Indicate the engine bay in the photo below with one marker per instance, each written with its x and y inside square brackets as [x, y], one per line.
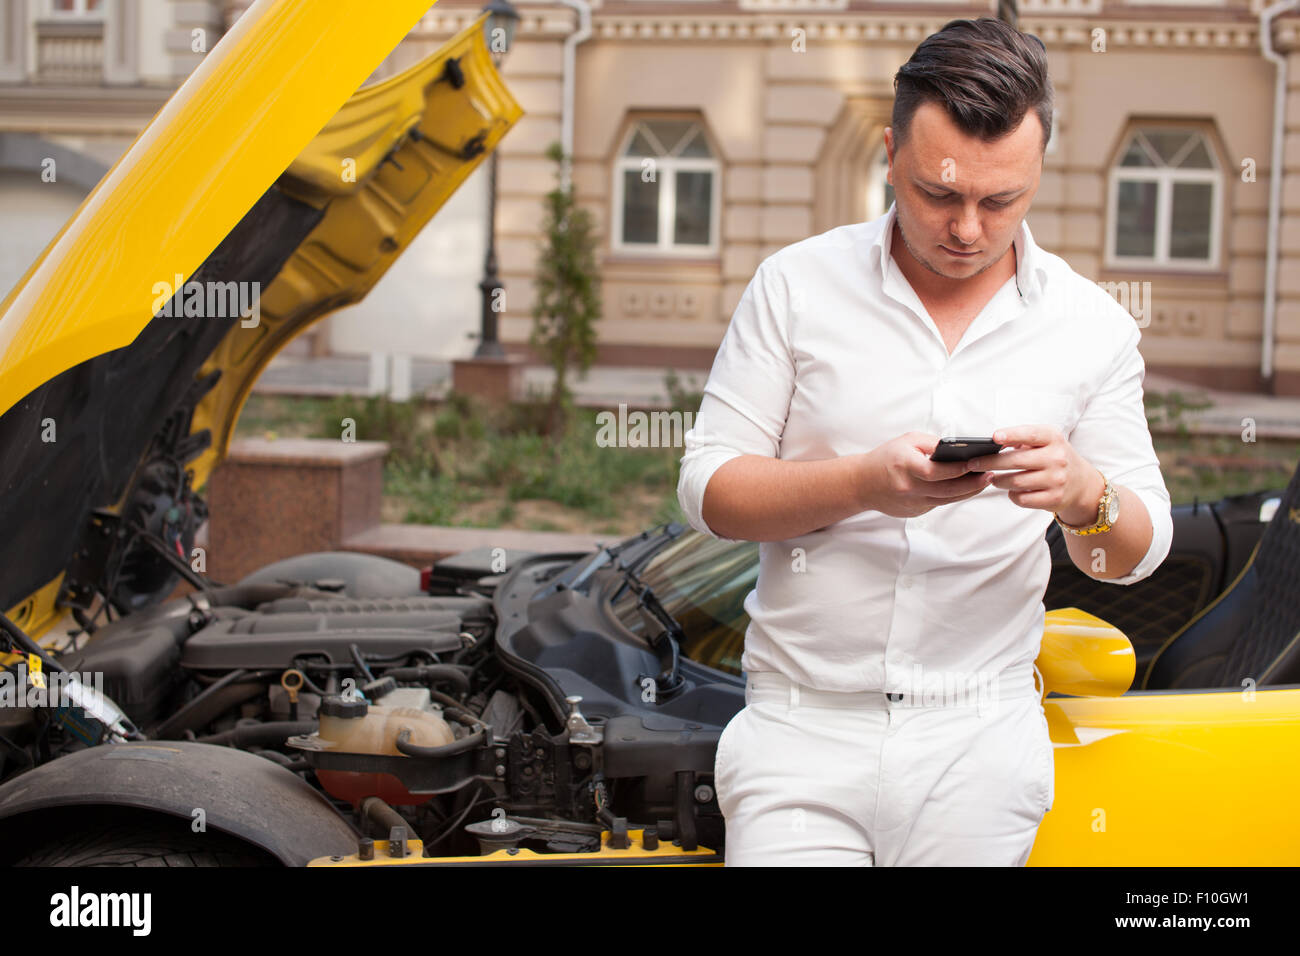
[471, 708]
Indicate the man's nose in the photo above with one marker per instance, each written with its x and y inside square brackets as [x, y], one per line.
[966, 228]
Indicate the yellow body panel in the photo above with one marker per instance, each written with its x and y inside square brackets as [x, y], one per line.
[666, 854]
[258, 98]
[1082, 655]
[400, 182]
[381, 167]
[36, 615]
[1174, 779]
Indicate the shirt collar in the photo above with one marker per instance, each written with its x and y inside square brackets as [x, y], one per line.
[1031, 275]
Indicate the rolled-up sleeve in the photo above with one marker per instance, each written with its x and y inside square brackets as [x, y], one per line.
[747, 395]
[1113, 435]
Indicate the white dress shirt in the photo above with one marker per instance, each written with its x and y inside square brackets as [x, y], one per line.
[829, 353]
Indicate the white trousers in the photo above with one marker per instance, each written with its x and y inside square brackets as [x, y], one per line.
[820, 778]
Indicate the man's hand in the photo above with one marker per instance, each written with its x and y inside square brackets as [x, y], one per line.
[1055, 477]
[1049, 474]
[899, 479]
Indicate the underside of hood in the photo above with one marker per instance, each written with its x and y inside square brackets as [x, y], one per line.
[115, 412]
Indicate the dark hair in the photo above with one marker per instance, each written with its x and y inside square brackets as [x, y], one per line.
[985, 73]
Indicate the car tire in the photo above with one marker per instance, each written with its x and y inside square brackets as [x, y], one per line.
[145, 844]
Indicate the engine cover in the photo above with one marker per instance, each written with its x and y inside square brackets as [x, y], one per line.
[273, 640]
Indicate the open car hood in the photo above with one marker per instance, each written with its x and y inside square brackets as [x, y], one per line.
[266, 193]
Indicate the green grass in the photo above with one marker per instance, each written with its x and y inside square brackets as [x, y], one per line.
[289, 416]
[1209, 467]
[1166, 408]
[460, 462]
[1255, 466]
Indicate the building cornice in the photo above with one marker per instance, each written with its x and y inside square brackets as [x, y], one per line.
[75, 109]
[1070, 30]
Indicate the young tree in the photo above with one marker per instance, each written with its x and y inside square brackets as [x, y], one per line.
[567, 304]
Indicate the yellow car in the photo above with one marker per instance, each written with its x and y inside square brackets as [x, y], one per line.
[343, 710]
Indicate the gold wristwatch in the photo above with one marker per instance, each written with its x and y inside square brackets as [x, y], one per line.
[1107, 512]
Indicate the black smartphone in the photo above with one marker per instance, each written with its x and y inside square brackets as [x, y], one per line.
[964, 449]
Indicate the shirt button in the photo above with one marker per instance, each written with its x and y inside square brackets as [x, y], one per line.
[905, 581]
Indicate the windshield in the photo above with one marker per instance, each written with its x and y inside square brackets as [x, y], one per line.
[702, 582]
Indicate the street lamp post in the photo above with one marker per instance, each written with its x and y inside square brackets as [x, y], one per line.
[500, 29]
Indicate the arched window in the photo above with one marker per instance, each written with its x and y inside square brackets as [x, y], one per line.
[880, 195]
[1166, 190]
[666, 189]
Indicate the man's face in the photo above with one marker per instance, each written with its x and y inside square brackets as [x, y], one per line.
[956, 193]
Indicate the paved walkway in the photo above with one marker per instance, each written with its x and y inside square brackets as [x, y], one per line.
[1274, 416]
[603, 386]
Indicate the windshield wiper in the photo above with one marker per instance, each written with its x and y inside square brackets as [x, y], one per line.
[575, 577]
[669, 532]
[666, 643]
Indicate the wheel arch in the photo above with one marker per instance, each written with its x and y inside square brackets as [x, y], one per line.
[242, 795]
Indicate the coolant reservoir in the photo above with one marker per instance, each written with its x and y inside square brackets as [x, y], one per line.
[355, 727]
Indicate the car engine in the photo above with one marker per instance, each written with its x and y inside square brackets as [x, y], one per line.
[468, 708]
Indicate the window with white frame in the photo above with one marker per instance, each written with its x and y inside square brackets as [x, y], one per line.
[666, 189]
[76, 8]
[1166, 190]
[880, 195]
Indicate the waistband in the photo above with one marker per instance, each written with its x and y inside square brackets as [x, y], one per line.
[972, 691]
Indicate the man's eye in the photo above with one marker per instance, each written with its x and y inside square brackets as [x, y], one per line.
[944, 197]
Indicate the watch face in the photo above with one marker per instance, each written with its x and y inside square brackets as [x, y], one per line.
[1112, 509]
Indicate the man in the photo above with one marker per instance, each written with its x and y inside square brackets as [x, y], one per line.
[892, 714]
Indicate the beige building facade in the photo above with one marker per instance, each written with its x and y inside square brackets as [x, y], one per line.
[1157, 177]
[706, 135]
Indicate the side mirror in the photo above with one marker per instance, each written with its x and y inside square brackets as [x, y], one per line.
[1083, 656]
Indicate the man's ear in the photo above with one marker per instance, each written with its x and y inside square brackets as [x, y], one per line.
[889, 151]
